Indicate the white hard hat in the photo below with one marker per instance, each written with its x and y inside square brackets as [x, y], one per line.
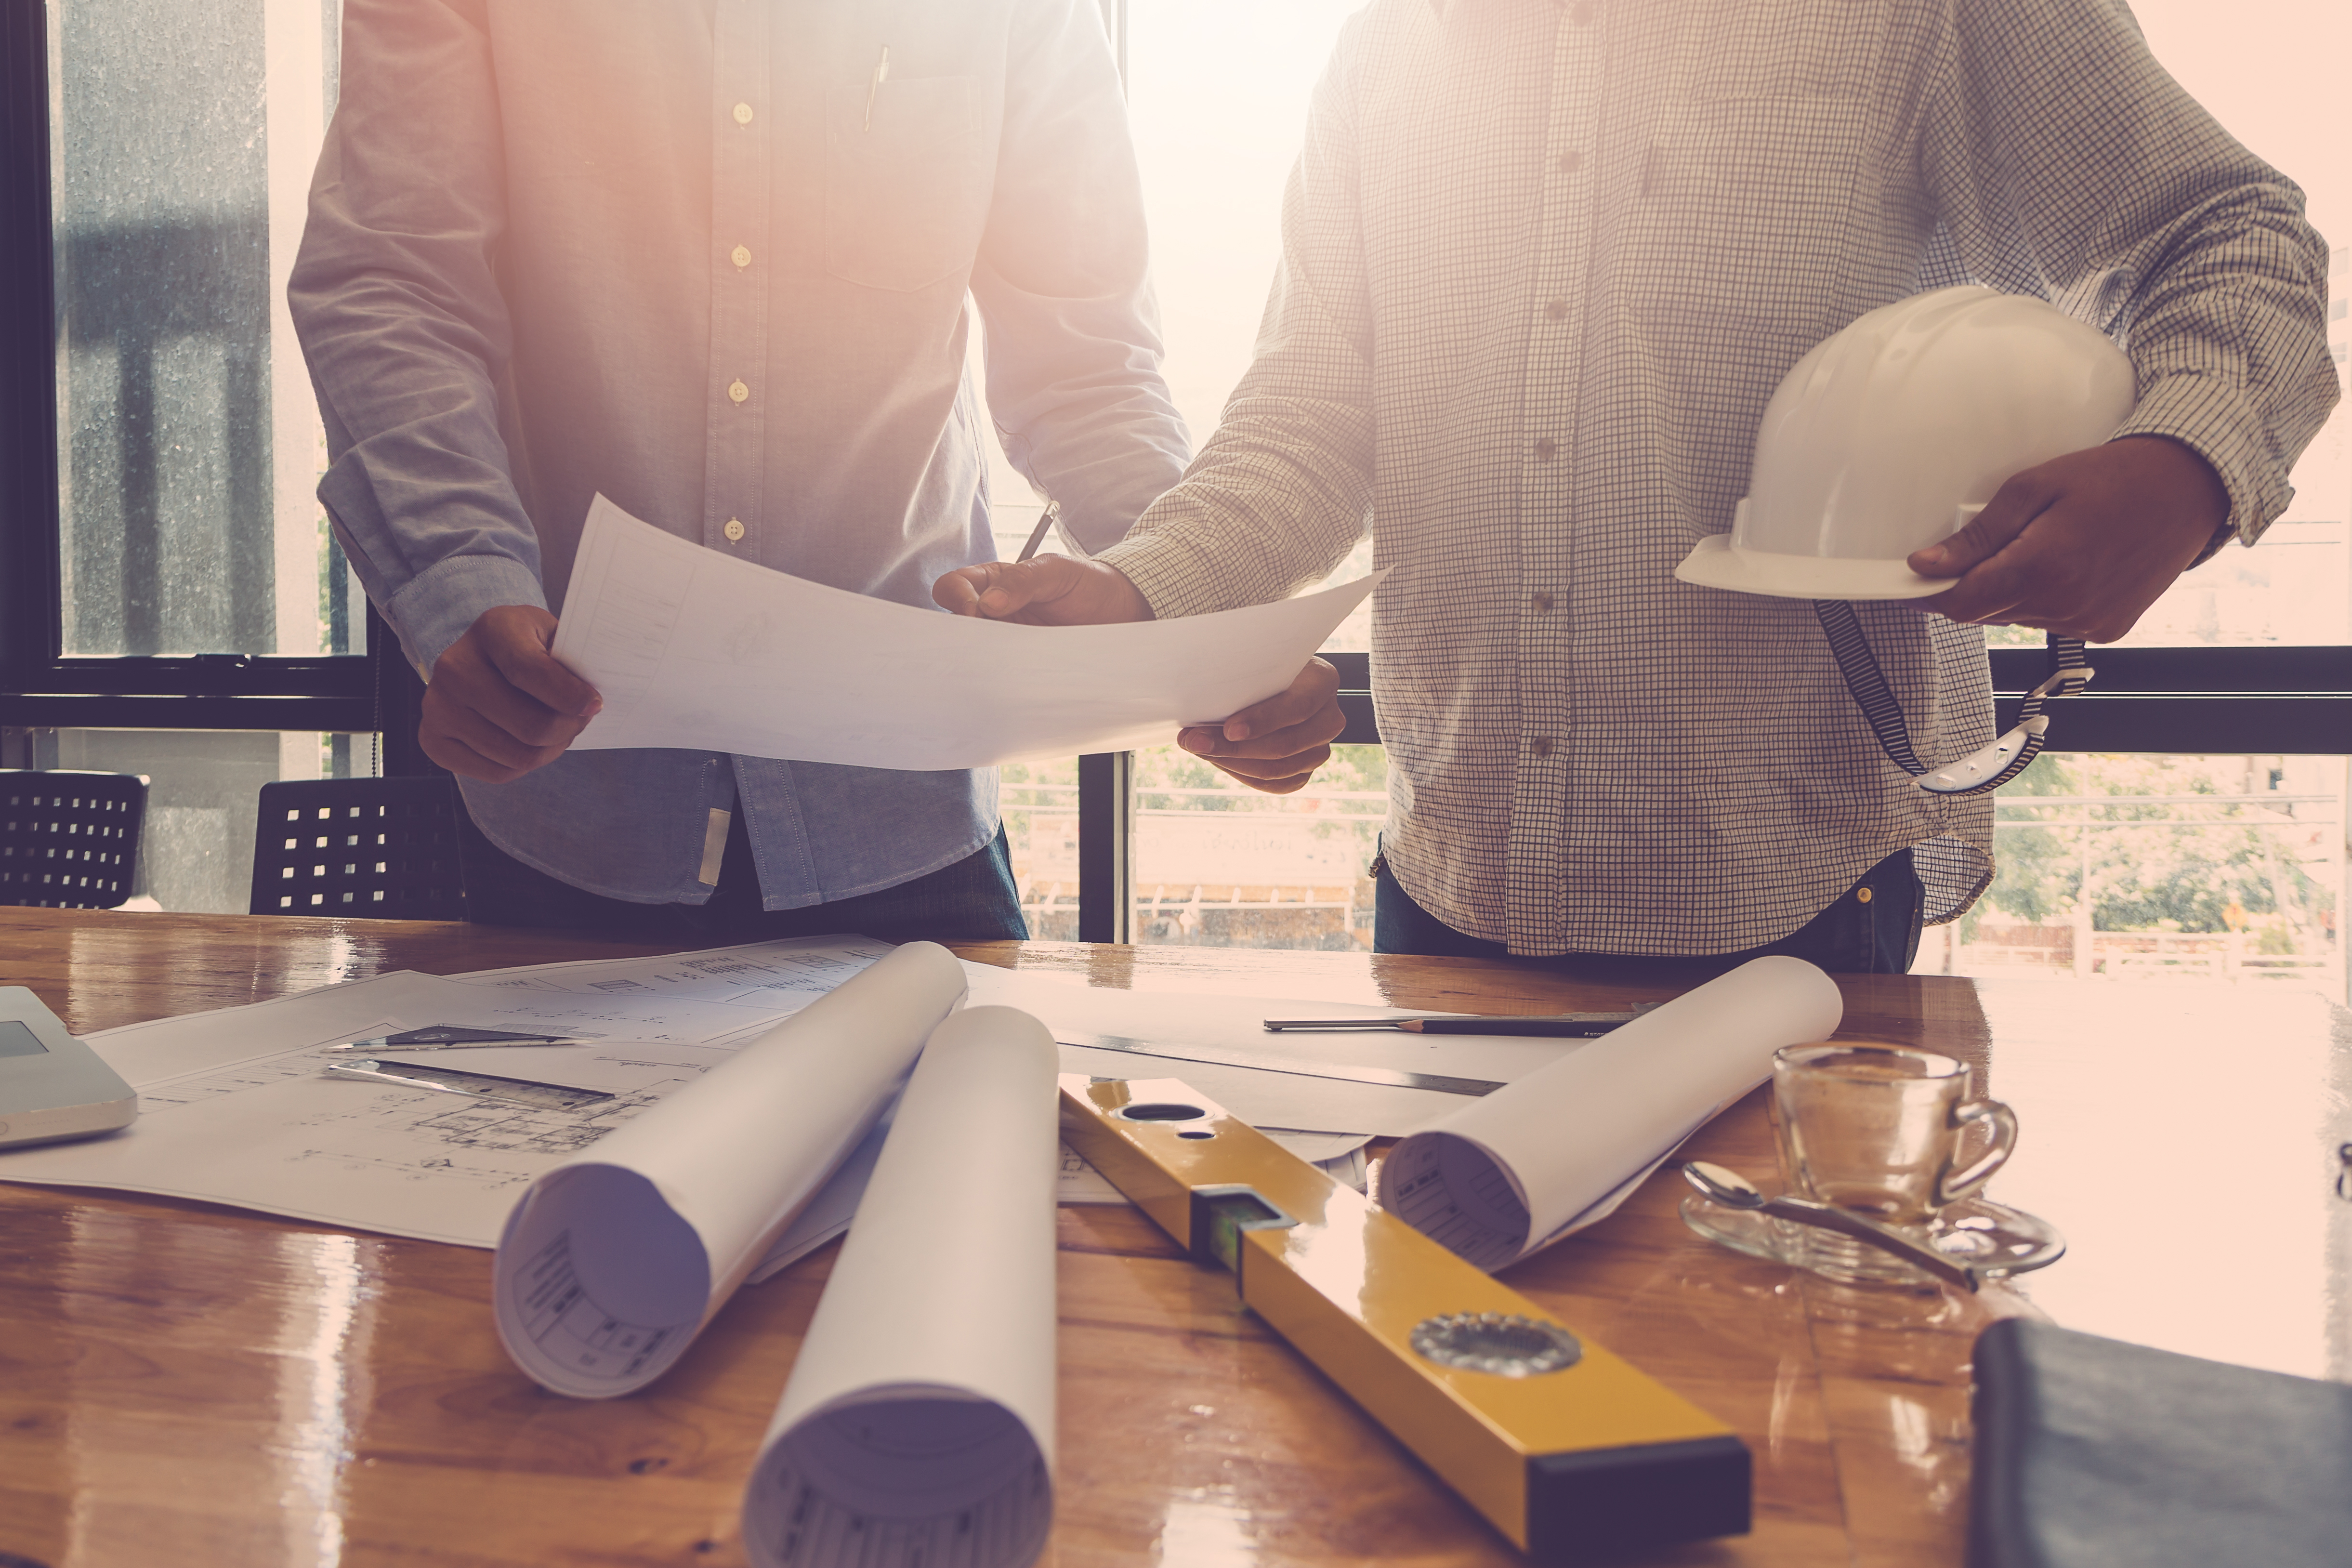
[1890, 434]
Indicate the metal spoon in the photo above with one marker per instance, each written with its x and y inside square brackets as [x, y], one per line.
[1735, 1191]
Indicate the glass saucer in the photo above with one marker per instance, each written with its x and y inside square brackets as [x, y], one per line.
[1998, 1241]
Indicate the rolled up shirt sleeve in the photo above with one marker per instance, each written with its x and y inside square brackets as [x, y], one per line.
[2052, 133]
[395, 298]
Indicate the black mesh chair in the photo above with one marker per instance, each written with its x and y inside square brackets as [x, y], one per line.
[377, 849]
[69, 840]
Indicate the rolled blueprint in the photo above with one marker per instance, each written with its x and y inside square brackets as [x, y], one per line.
[1562, 1147]
[917, 1430]
[611, 1262]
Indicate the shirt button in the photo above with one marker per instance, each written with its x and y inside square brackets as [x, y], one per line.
[742, 114]
[1540, 745]
[734, 528]
[1556, 310]
[741, 255]
[1569, 163]
[738, 391]
[1546, 449]
[1542, 602]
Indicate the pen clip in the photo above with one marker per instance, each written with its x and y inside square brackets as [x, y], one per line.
[881, 75]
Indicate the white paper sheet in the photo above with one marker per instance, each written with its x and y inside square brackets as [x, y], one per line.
[234, 1108]
[692, 649]
[1181, 1021]
[1559, 1150]
[613, 1262]
[917, 1426]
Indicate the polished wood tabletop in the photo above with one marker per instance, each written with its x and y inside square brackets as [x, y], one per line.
[195, 1385]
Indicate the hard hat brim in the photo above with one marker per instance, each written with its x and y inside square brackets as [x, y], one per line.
[1716, 562]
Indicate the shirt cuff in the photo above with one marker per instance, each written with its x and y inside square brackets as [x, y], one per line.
[438, 606]
[1176, 577]
[2216, 422]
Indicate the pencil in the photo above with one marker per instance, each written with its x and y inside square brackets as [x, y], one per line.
[1563, 1028]
[1565, 1025]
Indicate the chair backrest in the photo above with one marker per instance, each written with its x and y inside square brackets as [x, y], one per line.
[374, 848]
[69, 840]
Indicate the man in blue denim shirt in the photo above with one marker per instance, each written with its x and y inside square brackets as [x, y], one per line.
[714, 262]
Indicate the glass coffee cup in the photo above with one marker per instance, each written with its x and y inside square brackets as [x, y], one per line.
[1878, 1129]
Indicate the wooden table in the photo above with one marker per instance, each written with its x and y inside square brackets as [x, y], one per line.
[192, 1385]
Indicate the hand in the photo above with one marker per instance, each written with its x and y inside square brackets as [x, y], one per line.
[1276, 745]
[498, 705]
[1050, 591]
[2082, 544]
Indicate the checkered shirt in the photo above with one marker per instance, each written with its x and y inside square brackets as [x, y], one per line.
[1544, 265]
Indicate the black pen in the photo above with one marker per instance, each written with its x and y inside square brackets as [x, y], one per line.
[1558, 1025]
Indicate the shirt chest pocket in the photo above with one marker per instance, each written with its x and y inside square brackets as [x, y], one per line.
[1746, 206]
[907, 187]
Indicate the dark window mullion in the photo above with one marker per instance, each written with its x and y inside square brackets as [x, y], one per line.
[30, 614]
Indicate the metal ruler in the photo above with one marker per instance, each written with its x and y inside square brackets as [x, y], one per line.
[472, 1085]
[1386, 1078]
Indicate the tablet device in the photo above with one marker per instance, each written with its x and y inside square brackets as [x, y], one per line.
[53, 1087]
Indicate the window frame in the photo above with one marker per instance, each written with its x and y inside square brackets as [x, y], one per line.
[40, 687]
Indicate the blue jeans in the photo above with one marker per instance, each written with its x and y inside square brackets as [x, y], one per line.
[975, 899]
[1872, 928]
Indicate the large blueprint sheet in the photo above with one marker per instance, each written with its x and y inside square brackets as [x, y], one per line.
[694, 650]
[234, 1106]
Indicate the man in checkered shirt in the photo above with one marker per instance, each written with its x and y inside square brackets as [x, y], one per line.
[1543, 265]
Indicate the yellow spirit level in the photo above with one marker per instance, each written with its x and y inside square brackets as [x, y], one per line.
[1566, 1449]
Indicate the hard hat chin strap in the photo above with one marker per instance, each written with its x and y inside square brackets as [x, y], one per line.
[1980, 770]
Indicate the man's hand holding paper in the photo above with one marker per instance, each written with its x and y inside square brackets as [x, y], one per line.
[1275, 746]
[499, 704]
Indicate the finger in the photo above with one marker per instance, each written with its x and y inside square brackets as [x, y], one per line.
[521, 655]
[1014, 585]
[1993, 556]
[528, 723]
[1315, 687]
[1318, 729]
[463, 760]
[959, 591]
[1002, 590]
[456, 753]
[1278, 774]
[495, 738]
[2012, 507]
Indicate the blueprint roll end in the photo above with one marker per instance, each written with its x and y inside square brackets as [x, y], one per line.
[1602, 1505]
[931, 1475]
[1460, 1196]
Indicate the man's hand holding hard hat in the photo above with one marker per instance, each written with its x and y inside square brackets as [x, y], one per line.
[1965, 433]
[2082, 544]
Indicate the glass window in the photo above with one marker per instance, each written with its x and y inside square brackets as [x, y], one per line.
[182, 134]
[1217, 92]
[2208, 869]
[1219, 865]
[1041, 829]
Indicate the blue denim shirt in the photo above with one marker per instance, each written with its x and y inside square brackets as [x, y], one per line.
[709, 259]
